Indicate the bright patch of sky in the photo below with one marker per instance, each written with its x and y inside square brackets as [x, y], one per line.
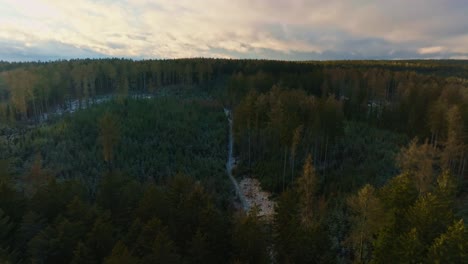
[271, 29]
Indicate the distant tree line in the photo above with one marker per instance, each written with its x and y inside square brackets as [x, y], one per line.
[366, 160]
[29, 89]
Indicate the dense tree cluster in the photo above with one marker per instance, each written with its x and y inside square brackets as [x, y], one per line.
[138, 181]
[350, 128]
[398, 221]
[146, 138]
[276, 128]
[127, 222]
[135, 180]
[296, 116]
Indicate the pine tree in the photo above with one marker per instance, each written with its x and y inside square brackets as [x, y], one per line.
[307, 186]
[83, 255]
[108, 136]
[6, 229]
[40, 248]
[431, 216]
[121, 255]
[37, 176]
[101, 238]
[31, 224]
[250, 240]
[411, 248]
[153, 204]
[144, 240]
[453, 157]
[451, 246]
[5, 173]
[199, 251]
[367, 214]
[437, 121]
[5, 257]
[418, 161]
[295, 142]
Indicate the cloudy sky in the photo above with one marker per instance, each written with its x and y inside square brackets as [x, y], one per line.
[273, 29]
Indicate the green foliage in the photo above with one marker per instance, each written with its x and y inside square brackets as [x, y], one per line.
[120, 255]
[102, 236]
[91, 212]
[52, 199]
[450, 247]
[297, 241]
[400, 223]
[12, 202]
[364, 154]
[366, 219]
[280, 125]
[307, 190]
[199, 249]
[119, 194]
[31, 224]
[82, 254]
[157, 139]
[136, 180]
[6, 228]
[108, 135]
[250, 239]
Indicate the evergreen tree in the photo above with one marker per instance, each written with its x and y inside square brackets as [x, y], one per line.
[82, 254]
[250, 240]
[366, 219]
[450, 247]
[6, 231]
[307, 186]
[199, 249]
[108, 136]
[31, 224]
[419, 162]
[101, 238]
[453, 157]
[120, 255]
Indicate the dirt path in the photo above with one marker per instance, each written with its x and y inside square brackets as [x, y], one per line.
[249, 190]
[230, 164]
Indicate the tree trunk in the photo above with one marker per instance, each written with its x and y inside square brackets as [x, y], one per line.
[463, 167]
[326, 149]
[34, 109]
[460, 166]
[360, 248]
[250, 156]
[292, 166]
[284, 166]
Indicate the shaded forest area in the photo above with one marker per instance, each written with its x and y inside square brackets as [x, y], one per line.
[366, 161]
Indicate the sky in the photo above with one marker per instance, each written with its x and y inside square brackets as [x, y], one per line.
[32, 30]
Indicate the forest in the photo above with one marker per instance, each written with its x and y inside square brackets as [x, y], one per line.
[123, 161]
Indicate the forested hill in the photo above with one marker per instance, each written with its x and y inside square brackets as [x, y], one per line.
[29, 89]
[366, 161]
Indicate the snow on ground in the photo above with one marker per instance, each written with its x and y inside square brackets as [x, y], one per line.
[72, 106]
[255, 196]
[248, 191]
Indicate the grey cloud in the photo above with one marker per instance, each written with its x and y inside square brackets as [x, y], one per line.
[276, 29]
[114, 45]
[43, 51]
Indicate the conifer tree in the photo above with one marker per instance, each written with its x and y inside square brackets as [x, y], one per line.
[307, 186]
[366, 218]
[108, 136]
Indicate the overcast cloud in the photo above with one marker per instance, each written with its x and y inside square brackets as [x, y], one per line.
[273, 29]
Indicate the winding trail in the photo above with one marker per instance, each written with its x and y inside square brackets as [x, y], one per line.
[251, 184]
[72, 106]
[230, 163]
